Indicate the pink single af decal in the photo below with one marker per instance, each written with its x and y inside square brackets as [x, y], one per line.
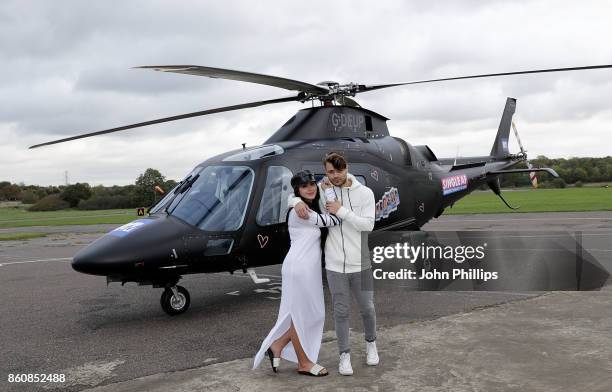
[454, 184]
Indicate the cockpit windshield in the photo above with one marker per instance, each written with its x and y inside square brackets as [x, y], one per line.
[216, 200]
[173, 194]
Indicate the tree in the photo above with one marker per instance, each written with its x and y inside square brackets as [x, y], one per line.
[10, 192]
[558, 183]
[72, 194]
[28, 197]
[144, 192]
[579, 174]
[50, 203]
[169, 185]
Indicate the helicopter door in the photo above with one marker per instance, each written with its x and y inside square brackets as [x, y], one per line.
[428, 196]
[272, 237]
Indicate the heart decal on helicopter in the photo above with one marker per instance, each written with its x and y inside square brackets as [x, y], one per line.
[263, 240]
[374, 174]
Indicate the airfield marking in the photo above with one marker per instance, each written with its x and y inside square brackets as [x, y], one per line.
[271, 291]
[63, 259]
[275, 289]
[270, 276]
[246, 276]
[562, 235]
[517, 293]
[463, 220]
[548, 249]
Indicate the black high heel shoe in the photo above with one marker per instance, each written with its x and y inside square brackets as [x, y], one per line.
[274, 361]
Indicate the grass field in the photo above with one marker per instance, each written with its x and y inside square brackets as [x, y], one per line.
[20, 236]
[536, 200]
[20, 217]
[530, 200]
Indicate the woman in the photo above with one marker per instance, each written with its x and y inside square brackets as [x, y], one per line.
[297, 334]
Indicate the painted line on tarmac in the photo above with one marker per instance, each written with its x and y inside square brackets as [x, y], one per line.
[547, 249]
[9, 257]
[62, 259]
[560, 235]
[544, 219]
[239, 275]
[271, 276]
[517, 293]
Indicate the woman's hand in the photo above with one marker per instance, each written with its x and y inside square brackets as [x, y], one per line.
[325, 183]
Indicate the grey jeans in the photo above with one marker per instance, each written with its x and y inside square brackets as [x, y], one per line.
[362, 287]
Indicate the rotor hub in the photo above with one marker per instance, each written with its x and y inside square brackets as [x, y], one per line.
[336, 91]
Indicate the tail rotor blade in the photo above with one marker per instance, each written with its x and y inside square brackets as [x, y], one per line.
[533, 177]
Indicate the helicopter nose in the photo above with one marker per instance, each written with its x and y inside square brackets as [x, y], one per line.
[132, 248]
[98, 260]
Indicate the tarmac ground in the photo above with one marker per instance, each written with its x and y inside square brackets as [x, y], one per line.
[559, 341]
[55, 320]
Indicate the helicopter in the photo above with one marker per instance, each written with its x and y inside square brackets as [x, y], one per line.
[229, 212]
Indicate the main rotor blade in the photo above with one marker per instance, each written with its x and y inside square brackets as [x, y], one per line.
[173, 118]
[242, 76]
[380, 86]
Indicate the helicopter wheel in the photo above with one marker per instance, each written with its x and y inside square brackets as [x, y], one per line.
[175, 300]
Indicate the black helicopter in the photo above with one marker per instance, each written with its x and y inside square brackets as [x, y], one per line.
[229, 213]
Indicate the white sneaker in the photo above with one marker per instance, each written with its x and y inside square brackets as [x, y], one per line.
[345, 367]
[371, 354]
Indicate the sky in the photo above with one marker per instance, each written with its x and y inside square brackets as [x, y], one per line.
[67, 68]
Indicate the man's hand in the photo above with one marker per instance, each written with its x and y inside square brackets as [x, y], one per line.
[333, 206]
[301, 209]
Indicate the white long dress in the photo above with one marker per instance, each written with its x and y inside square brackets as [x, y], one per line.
[302, 288]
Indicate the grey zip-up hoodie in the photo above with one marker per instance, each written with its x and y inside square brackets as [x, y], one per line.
[343, 244]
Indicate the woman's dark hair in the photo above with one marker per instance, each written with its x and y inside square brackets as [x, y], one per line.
[298, 180]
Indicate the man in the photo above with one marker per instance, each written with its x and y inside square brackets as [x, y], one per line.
[355, 205]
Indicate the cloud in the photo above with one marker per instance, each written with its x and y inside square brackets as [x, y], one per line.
[66, 70]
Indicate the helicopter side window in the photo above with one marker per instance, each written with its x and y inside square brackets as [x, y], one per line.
[273, 206]
[217, 200]
[361, 179]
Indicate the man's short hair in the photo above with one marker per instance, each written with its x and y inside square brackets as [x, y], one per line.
[336, 159]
